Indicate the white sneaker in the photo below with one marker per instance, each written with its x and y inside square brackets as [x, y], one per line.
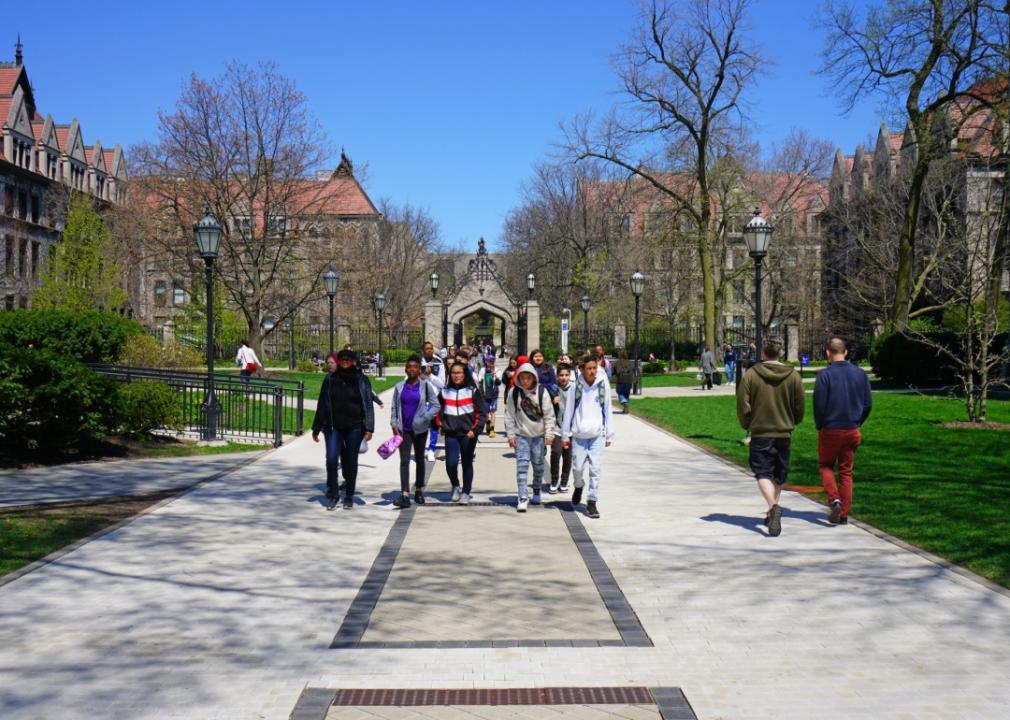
[536, 498]
[521, 505]
[464, 499]
[455, 494]
[430, 456]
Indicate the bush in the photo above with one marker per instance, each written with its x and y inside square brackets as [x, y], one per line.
[145, 351]
[82, 336]
[396, 356]
[654, 368]
[146, 405]
[899, 359]
[307, 366]
[50, 402]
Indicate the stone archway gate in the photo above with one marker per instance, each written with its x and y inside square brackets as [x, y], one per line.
[480, 288]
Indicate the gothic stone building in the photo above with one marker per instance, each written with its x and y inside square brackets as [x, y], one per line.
[41, 163]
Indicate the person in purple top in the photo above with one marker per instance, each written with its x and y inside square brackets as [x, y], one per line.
[415, 404]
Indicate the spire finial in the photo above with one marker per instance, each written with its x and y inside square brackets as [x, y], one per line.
[18, 55]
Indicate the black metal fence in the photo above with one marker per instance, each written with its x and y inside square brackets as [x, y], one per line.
[250, 408]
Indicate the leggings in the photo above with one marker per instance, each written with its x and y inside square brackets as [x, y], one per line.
[460, 447]
[416, 442]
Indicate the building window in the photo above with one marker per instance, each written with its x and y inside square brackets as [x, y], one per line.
[9, 257]
[159, 294]
[814, 224]
[35, 259]
[9, 302]
[35, 209]
[23, 259]
[22, 205]
[242, 225]
[23, 302]
[178, 295]
[8, 200]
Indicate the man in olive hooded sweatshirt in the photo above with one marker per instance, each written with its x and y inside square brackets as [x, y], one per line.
[769, 403]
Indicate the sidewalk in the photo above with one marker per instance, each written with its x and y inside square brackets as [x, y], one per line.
[225, 602]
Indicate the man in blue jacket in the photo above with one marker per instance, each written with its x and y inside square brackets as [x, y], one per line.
[842, 402]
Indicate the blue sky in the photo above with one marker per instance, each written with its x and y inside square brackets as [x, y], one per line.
[449, 103]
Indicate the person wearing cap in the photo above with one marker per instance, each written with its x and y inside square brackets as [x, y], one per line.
[345, 416]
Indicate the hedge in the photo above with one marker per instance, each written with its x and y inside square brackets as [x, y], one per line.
[84, 336]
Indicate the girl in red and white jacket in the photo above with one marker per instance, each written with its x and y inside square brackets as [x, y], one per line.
[463, 415]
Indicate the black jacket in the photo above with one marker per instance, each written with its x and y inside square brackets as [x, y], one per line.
[323, 421]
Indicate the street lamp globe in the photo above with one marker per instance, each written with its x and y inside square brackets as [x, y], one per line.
[433, 278]
[587, 302]
[208, 234]
[531, 283]
[269, 323]
[331, 281]
[380, 302]
[757, 233]
[637, 283]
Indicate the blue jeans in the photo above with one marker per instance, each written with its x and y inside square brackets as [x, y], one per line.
[342, 448]
[730, 372]
[460, 447]
[529, 450]
[623, 392]
[588, 451]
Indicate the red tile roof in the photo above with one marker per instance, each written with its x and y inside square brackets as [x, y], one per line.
[62, 134]
[107, 155]
[8, 78]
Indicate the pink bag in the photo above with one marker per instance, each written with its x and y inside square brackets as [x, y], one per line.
[389, 447]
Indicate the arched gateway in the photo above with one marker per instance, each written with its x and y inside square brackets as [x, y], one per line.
[479, 304]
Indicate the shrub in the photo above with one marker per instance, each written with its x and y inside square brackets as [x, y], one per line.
[49, 401]
[146, 405]
[395, 356]
[899, 359]
[654, 368]
[307, 366]
[82, 336]
[145, 351]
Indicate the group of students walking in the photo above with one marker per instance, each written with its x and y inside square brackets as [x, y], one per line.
[562, 412]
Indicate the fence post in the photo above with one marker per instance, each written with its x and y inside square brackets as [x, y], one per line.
[301, 408]
[278, 416]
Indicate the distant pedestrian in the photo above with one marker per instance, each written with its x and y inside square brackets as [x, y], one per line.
[587, 429]
[345, 415]
[561, 456]
[842, 403]
[508, 377]
[463, 414]
[415, 405]
[434, 369]
[601, 360]
[729, 363]
[247, 361]
[707, 368]
[530, 423]
[770, 404]
[489, 381]
[624, 376]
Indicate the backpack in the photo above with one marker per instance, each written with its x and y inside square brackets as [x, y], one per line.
[600, 392]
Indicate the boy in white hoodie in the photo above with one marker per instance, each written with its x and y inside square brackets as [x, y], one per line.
[530, 424]
[587, 429]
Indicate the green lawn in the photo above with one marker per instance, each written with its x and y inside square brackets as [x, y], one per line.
[314, 382]
[187, 448]
[679, 379]
[944, 490]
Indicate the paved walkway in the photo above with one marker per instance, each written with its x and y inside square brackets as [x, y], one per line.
[225, 602]
[89, 480]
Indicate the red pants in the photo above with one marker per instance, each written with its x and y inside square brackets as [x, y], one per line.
[838, 446]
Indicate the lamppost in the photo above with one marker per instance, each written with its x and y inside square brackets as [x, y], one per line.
[637, 286]
[268, 324]
[586, 302]
[208, 236]
[291, 341]
[331, 281]
[531, 284]
[757, 233]
[433, 278]
[380, 306]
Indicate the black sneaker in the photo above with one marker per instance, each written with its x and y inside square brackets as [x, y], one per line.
[402, 502]
[775, 521]
[331, 502]
[591, 510]
[576, 496]
[553, 489]
[843, 520]
[419, 497]
[348, 504]
[563, 488]
[835, 516]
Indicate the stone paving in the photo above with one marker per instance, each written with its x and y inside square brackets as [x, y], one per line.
[498, 712]
[89, 480]
[223, 603]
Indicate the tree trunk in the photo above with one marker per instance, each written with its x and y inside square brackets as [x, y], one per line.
[902, 304]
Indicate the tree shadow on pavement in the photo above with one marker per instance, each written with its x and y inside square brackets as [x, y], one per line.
[746, 522]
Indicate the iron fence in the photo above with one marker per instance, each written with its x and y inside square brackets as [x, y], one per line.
[250, 408]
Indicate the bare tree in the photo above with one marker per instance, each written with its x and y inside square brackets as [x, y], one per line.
[926, 57]
[685, 72]
[246, 145]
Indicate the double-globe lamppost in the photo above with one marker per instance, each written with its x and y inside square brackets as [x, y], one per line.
[586, 302]
[637, 287]
[208, 237]
[757, 233]
[380, 307]
[331, 281]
